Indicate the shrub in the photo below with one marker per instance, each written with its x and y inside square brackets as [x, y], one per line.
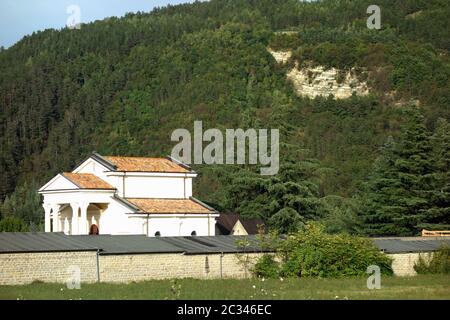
[439, 262]
[266, 267]
[313, 252]
[12, 224]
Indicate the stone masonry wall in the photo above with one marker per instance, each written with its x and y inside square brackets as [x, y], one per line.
[23, 268]
[126, 268]
[403, 263]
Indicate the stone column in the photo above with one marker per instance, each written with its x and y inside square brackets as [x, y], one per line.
[47, 209]
[74, 229]
[55, 211]
[83, 225]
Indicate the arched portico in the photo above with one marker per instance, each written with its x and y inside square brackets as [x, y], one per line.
[75, 218]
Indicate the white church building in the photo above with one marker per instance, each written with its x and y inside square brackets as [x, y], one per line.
[126, 195]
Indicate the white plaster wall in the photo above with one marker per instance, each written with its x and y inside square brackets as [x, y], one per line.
[157, 187]
[174, 226]
[188, 186]
[115, 220]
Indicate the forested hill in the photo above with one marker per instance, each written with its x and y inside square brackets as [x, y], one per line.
[375, 164]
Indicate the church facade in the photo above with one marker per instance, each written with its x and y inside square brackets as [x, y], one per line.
[126, 195]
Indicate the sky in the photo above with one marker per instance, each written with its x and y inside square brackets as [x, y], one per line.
[22, 17]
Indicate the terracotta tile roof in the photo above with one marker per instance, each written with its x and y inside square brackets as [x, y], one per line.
[140, 164]
[87, 181]
[148, 205]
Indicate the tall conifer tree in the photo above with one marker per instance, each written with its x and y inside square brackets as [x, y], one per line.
[437, 215]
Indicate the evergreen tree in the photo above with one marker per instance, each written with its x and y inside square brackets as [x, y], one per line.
[382, 206]
[13, 224]
[284, 201]
[437, 215]
[405, 189]
[413, 165]
[24, 204]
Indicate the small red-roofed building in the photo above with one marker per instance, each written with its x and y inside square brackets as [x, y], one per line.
[126, 195]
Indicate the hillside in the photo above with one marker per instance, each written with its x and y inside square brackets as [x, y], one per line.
[121, 86]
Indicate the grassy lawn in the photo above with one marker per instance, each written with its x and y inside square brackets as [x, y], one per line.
[419, 287]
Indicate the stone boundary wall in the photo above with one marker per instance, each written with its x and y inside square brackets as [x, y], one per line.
[23, 268]
[403, 263]
[139, 267]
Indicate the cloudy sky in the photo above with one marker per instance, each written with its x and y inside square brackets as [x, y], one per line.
[21, 17]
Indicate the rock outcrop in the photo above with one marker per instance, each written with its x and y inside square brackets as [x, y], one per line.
[318, 81]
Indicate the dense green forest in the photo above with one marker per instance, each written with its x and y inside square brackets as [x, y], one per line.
[375, 165]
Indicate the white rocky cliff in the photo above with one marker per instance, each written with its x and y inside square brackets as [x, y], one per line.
[318, 81]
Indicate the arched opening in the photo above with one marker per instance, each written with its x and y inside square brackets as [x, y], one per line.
[157, 234]
[194, 233]
[93, 230]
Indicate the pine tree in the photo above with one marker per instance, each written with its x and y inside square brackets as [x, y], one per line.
[397, 191]
[413, 165]
[437, 215]
[381, 204]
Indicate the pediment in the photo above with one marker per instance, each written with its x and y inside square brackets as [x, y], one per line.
[59, 182]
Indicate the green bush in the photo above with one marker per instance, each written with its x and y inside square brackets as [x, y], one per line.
[266, 267]
[439, 262]
[12, 224]
[313, 252]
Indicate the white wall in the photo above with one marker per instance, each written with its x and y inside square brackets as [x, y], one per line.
[157, 187]
[176, 225]
[115, 220]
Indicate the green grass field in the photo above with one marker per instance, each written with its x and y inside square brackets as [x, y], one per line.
[419, 287]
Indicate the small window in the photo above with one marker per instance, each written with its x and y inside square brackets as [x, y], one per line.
[193, 233]
[157, 234]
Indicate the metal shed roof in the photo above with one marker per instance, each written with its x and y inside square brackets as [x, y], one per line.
[410, 244]
[11, 242]
[128, 244]
[14, 242]
[215, 244]
[121, 244]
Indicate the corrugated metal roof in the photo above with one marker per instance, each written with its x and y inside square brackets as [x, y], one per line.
[410, 244]
[128, 244]
[11, 242]
[215, 244]
[121, 244]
